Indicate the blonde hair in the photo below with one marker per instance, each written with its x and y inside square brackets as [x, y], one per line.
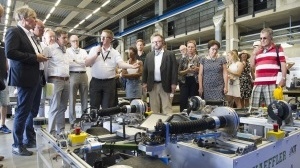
[234, 56]
[109, 32]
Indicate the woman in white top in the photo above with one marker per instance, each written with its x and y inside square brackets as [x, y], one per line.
[132, 76]
[235, 69]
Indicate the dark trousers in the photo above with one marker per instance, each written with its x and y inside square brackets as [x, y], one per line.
[187, 90]
[27, 108]
[102, 92]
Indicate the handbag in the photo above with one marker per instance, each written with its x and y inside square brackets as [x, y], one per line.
[288, 79]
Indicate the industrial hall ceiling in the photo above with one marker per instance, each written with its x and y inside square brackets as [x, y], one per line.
[83, 17]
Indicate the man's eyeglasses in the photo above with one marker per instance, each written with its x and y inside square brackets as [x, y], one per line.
[263, 38]
[155, 42]
[103, 37]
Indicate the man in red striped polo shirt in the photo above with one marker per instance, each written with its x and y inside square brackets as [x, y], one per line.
[264, 60]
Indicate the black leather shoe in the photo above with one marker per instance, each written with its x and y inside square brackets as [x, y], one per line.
[21, 150]
[31, 145]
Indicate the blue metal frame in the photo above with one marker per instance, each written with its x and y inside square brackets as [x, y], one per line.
[156, 19]
[164, 16]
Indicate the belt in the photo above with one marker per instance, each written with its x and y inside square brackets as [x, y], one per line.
[77, 71]
[58, 77]
[106, 79]
[157, 81]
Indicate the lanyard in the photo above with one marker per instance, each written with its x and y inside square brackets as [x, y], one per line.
[105, 56]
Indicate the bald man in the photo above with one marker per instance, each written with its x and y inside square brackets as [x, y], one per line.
[78, 78]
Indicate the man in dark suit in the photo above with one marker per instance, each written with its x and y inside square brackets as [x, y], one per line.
[160, 76]
[24, 58]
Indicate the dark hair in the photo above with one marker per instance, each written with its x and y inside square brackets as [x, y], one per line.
[212, 43]
[133, 49]
[59, 32]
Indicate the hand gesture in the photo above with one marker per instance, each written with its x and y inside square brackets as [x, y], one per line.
[41, 58]
[135, 65]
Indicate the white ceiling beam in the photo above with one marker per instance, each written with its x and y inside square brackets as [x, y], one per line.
[95, 22]
[84, 3]
[69, 18]
[120, 7]
[71, 15]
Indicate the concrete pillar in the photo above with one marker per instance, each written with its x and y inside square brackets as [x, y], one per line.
[82, 43]
[159, 28]
[121, 48]
[232, 31]
[218, 20]
[122, 24]
[160, 5]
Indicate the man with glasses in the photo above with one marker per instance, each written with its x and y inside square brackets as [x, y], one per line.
[264, 61]
[160, 76]
[78, 78]
[103, 60]
[24, 73]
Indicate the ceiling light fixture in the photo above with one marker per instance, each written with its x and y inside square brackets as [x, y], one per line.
[76, 26]
[47, 17]
[71, 30]
[7, 10]
[105, 3]
[52, 10]
[96, 10]
[88, 16]
[8, 3]
[57, 2]
[81, 21]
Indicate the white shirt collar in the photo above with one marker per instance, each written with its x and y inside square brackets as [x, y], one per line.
[29, 33]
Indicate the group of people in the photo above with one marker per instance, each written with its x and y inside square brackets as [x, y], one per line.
[32, 64]
[241, 79]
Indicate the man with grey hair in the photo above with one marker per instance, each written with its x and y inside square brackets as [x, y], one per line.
[78, 78]
[24, 73]
[265, 62]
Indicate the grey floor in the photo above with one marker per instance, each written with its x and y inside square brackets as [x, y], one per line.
[14, 161]
[11, 160]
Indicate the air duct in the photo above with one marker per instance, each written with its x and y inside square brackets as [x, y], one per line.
[218, 20]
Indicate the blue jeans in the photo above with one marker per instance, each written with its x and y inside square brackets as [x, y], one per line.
[27, 108]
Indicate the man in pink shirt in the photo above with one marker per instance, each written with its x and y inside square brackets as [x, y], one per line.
[264, 60]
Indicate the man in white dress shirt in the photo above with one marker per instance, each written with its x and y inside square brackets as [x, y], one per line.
[58, 74]
[78, 78]
[103, 60]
